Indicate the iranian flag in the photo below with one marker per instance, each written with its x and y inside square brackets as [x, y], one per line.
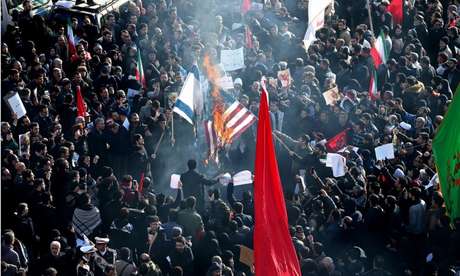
[140, 70]
[373, 93]
[71, 39]
[380, 51]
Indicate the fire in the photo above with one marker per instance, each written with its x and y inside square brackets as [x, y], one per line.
[218, 103]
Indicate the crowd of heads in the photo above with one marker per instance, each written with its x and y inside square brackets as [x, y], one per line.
[88, 194]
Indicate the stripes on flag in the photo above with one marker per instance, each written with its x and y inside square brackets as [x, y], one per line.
[71, 39]
[380, 51]
[211, 139]
[238, 118]
[373, 93]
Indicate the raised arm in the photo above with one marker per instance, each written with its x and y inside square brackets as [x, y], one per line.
[230, 196]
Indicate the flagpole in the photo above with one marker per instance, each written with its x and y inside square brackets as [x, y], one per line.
[371, 26]
[158, 145]
[172, 130]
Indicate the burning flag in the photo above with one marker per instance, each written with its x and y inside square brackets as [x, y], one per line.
[237, 119]
[218, 109]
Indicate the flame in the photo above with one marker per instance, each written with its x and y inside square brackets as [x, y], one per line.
[218, 103]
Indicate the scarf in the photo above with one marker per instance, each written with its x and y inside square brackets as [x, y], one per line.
[85, 221]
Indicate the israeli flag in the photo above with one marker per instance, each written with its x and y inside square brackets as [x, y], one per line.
[190, 100]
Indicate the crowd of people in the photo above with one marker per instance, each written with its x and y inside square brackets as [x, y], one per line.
[89, 195]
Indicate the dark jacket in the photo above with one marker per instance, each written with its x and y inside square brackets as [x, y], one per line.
[193, 185]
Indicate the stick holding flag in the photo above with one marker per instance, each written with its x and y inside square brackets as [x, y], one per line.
[172, 130]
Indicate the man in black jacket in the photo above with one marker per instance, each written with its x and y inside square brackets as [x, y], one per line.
[193, 184]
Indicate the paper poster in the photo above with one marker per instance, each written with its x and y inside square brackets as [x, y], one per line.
[246, 255]
[434, 182]
[226, 82]
[225, 178]
[337, 163]
[386, 151]
[75, 157]
[24, 143]
[347, 104]
[174, 183]
[355, 149]
[332, 96]
[132, 92]
[232, 60]
[16, 105]
[285, 77]
[242, 178]
[126, 123]
[257, 6]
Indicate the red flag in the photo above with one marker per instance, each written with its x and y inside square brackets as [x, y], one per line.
[337, 142]
[245, 6]
[396, 10]
[81, 108]
[273, 248]
[141, 183]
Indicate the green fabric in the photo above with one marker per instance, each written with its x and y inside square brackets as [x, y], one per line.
[446, 150]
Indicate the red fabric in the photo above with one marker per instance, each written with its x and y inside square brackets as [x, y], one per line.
[274, 251]
[376, 57]
[396, 10]
[141, 183]
[245, 6]
[81, 109]
[337, 142]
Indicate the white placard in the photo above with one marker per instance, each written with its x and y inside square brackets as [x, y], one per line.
[355, 149]
[331, 96]
[257, 6]
[285, 77]
[225, 178]
[226, 82]
[174, 183]
[337, 163]
[24, 143]
[132, 92]
[242, 178]
[126, 124]
[232, 60]
[386, 151]
[16, 105]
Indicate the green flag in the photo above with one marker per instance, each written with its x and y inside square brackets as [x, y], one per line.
[446, 151]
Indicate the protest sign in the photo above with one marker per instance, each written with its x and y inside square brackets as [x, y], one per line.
[285, 77]
[386, 151]
[132, 92]
[332, 96]
[24, 143]
[16, 105]
[337, 163]
[226, 82]
[246, 255]
[232, 60]
[242, 178]
[174, 183]
[225, 178]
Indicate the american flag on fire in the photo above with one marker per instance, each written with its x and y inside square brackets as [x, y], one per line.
[237, 119]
